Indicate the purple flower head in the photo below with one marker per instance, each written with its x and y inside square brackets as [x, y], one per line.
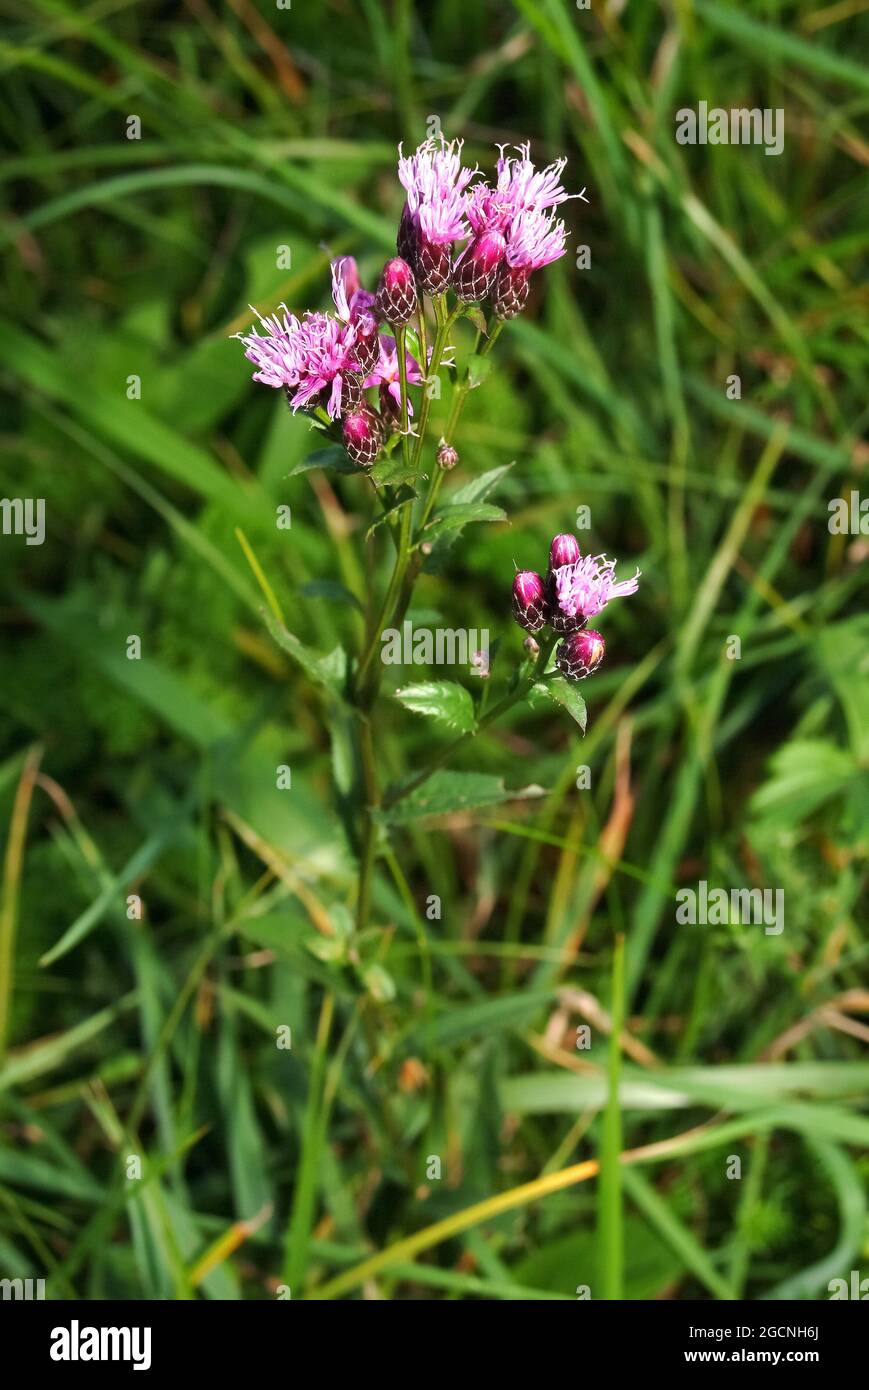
[314, 358]
[564, 550]
[362, 431]
[534, 239]
[524, 188]
[435, 181]
[273, 354]
[580, 654]
[325, 351]
[355, 307]
[395, 301]
[386, 372]
[585, 588]
[529, 600]
[520, 189]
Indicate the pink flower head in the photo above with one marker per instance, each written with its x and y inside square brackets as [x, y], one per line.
[355, 307]
[312, 357]
[534, 239]
[585, 588]
[386, 372]
[520, 188]
[273, 354]
[435, 181]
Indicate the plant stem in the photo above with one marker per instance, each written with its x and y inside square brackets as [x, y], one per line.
[610, 1234]
[368, 851]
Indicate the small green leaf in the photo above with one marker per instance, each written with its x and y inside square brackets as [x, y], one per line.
[564, 693]
[444, 700]
[445, 792]
[329, 671]
[332, 458]
[391, 470]
[478, 369]
[478, 319]
[459, 514]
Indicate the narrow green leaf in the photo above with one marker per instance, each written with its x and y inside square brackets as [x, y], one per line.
[454, 517]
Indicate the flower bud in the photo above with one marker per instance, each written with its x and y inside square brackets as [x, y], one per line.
[363, 435]
[564, 550]
[447, 457]
[390, 408]
[529, 601]
[580, 654]
[434, 265]
[510, 294]
[366, 348]
[532, 648]
[407, 240]
[474, 271]
[396, 294]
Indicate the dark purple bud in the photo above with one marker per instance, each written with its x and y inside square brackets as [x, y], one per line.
[447, 456]
[434, 266]
[557, 620]
[396, 293]
[408, 237]
[474, 271]
[366, 349]
[580, 654]
[510, 294]
[363, 435]
[564, 550]
[390, 408]
[529, 601]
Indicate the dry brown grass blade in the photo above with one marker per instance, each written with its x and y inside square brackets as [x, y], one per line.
[12, 866]
[831, 1014]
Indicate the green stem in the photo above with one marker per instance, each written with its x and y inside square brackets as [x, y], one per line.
[368, 851]
[610, 1232]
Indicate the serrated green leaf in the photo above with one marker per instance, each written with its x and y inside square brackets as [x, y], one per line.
[564, 693]
[446, 701]
[460, 514]
[392, 470]
[445, 792]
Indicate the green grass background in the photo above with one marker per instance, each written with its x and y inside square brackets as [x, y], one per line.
[454, 1038]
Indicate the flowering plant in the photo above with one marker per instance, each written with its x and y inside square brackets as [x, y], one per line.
[465, 247]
